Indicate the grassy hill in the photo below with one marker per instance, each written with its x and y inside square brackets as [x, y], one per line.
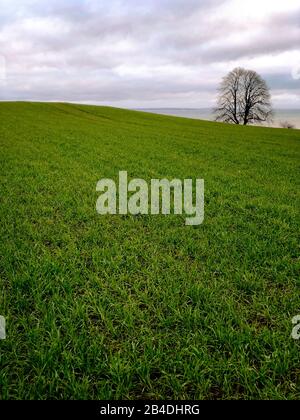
[144, 306]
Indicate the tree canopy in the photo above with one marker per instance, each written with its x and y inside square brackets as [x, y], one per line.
[244, 98]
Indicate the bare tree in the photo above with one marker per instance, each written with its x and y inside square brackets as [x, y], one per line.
[244, 98]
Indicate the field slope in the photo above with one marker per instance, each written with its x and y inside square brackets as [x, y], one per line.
[130, 307]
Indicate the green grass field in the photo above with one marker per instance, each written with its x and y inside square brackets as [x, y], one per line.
[144, 307]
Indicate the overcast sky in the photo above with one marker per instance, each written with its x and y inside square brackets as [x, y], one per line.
[146, 53]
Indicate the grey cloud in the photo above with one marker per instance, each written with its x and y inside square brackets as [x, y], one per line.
[74, 50]
[282, 81]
